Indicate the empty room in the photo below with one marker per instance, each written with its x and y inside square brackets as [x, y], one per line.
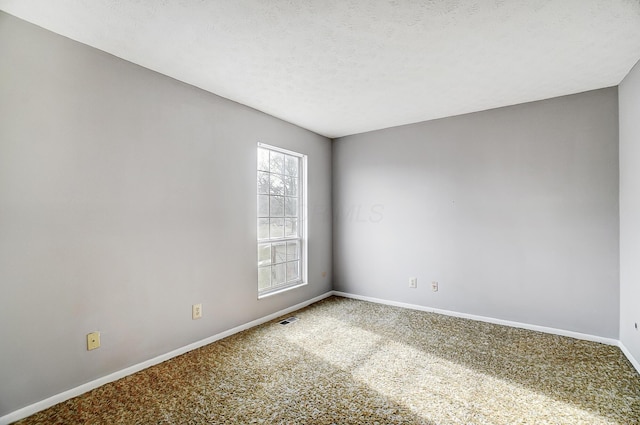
[320, 212]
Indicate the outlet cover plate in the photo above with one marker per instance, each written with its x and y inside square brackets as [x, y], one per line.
[93, 341]
[196, 311]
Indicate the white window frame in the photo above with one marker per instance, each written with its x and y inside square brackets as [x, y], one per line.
[302, 227]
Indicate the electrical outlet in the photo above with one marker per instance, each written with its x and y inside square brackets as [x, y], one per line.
[93, 341]
[434, 286]
[196, 311]
[413, 282]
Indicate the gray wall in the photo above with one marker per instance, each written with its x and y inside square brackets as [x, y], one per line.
[514, 211]
[630, 211]
[125, 197]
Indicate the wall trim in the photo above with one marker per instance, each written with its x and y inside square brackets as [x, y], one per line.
[577, 335]
[81, 389]
[561, 332]
[635, 363]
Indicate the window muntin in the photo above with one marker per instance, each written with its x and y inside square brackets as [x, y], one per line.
[280, 219]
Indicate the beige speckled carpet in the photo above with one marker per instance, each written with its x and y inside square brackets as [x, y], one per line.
[353, 362]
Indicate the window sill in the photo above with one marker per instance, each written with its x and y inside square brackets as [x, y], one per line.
[281, 290]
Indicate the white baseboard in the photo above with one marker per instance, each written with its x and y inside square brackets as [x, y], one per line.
[577, 335]
[635, 363]
[74, 392]
[562, 332]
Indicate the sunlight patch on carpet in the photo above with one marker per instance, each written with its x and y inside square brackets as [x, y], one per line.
[436, 389]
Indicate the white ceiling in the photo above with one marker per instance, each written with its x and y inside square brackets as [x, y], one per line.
[340, 67]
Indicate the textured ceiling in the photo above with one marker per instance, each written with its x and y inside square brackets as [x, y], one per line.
[340, 67]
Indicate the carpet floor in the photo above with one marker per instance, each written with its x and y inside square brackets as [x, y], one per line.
[353, 362]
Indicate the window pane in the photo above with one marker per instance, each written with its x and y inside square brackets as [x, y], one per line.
[263, 205]
[277, 162]
[264, 254]
[263, 228]
[291, 207]
[264, 278]
[293, 271]
[293, 249]
[291, 186]
[277, 185]
[291, 227]
[277, 228]
[291, 165]
[280, 252]
[263, 159]
[263, 183]
[278, 274]
[277, 206]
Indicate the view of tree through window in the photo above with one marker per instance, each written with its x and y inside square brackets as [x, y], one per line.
[279, 219]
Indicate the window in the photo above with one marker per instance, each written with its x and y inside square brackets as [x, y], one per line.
[281, 219]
